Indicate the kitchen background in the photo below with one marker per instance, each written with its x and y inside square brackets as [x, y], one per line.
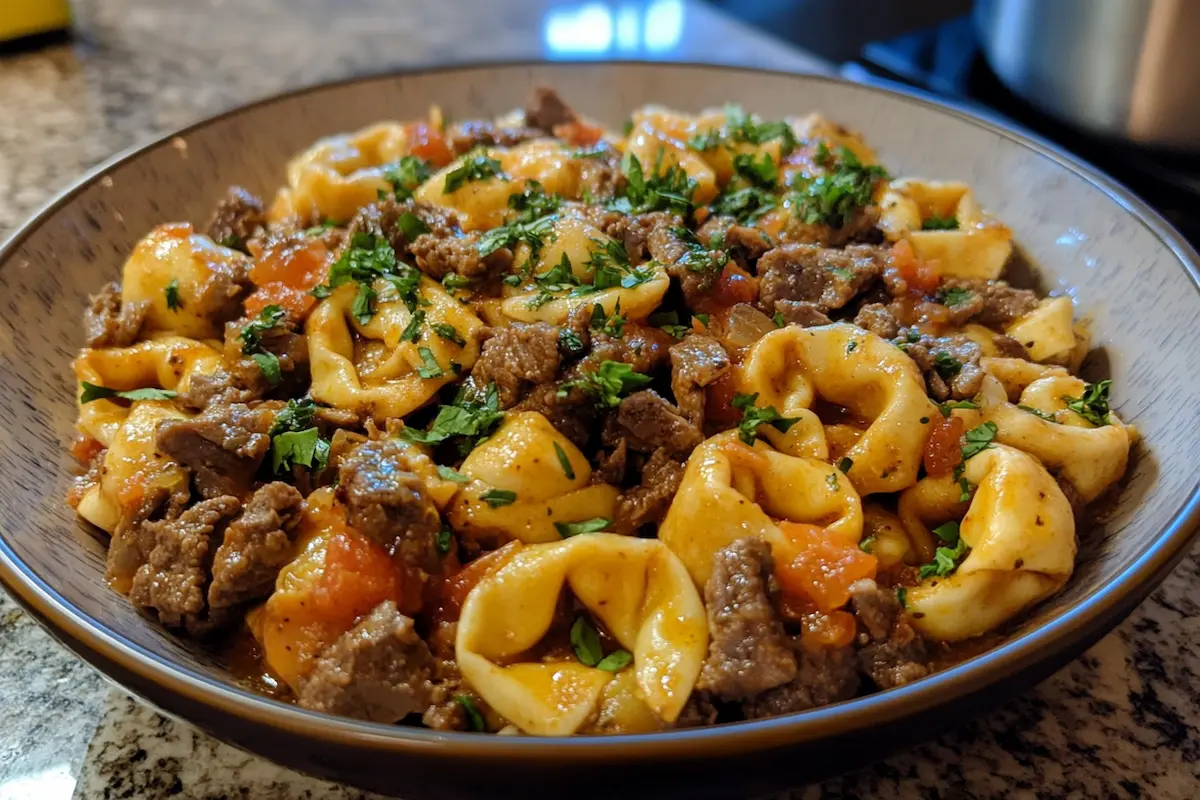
[1122, 721]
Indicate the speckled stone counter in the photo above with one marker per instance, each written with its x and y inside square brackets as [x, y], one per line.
[1122, 721]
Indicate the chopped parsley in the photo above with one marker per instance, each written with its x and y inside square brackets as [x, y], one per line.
[697, 257]
[367, 259]
[760, 172]
[608, 384]
[1093, 406]
[268, 364]
[533, 232]
[936, 223]
[833, 197]
[867, 544]
[252, 346]
[668, 321]
[474, 718]
[564, 461]
[498, 497]
[950, 405]
[746, 204]
[952, 296]
[662, 190]
[445, 541]
[778, 319]
[1037, 412]
[451, 474]
[453, 282]
[945, 559]
[753, 416]
[845, 464]
[411, 225]
[831, 481]
[702, 317]
[431, 369]
[586, 644]
[303, 448]
[979, 439]
[850, 348]
[297, 415]
[317, 230]
[533, 203]
[615, 661]
[902, 596]
[172, 293]
[412, 331]
[93, 392]
[475, 166]
[569, 341]
[406, 175]
[469, 416]
[612, 324]
[747, 129]
[448, 332]
[946, 365]
[594, 525]
[232, 242]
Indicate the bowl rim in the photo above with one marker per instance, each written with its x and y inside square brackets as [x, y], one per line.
[1088, 617]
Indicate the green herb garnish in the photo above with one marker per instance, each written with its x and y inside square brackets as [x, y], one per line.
[172, 294]
[608, 384]
[93, 392]
[832, 198]
[936, 223]
[299, 449]
[469, 416]
[1093, 406]
[753, 416]
[594, 525]
[564, 461]
[498, 497]
[412, 331]
[474, 718]
[431, 369]
[476, 166]
[406, 175]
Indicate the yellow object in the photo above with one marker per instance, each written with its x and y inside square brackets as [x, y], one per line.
[26, 17]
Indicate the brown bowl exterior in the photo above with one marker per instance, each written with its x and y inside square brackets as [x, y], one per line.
[1129, 271]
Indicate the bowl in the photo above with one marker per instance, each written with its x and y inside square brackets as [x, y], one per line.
[1126, 268]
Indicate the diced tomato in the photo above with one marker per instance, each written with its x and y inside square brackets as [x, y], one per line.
[943, 450]
[429, 144]
[702, 214]
[822, 569]
[833, 630]
[719, 406]
[734, 286]
[453, 589]
[85, 448]
[579, 133]
[285, 271]
[132, 491]
[921, 276]
[358, 575]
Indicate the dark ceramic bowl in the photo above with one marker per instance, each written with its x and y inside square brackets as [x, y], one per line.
[1127, 269]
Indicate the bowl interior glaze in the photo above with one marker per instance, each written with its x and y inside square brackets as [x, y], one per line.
[1127, 271]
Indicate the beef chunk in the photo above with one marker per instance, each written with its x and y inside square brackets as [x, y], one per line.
[1008, 347]
[237, 218]
[446, 247]
[859, 228]
[824, 676]
[223, 447]
[648, 502]
[950, 364]
[573, 419]
[109, 323]
[648, 423]
[601, 175]
[517, 357]
[895, 654]
[830, 278]
[172, 580]
[388, 502]
[546, 109]
[696, 362]
[643, 348]
[697, 712]
[748, 652]
[256, 545]
[611, 467]
[464, 137]
[743, 242]
[377, 671]
[997, 303]
[879, 320]
[801, 312]
[131, 543]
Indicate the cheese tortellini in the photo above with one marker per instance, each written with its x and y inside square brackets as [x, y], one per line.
[845, 365]
[636, 588]
[544, 474]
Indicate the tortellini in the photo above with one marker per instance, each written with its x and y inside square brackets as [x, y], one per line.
[133, 468]
[659, 141]
[381, 374]
[206, 278]
[730, 490]
[340, 174]
[1021, 532]
[546, 475]
[161, 362]
[1091, 458]
[636, 588]
[977, 247]
[845, 365]
[1048, 331]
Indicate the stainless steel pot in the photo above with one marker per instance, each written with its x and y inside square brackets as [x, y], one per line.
[1124, 68]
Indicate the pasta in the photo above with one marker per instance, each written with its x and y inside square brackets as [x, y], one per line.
[527, 426]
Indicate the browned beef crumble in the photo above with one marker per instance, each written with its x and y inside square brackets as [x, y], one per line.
[572, 416]
[859, 228]
[108, 322]
[130, 544]
[516, 358]
[995, 302]
[239, 216]
[647, 423]
[950, 364]
[1008, 347]
[546, 109]
[256, 545]
[464, 137]
[386, 501]
[895, 654]
[879, 320]
[648, 502]
[823, 676]
[821, 275]
[611, 466]
[224, 446]
[377, 671]
[800, 312]
[696, 363]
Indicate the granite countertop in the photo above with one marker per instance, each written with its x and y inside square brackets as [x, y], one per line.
[1121, 721]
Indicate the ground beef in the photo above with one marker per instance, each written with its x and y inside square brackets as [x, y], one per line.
[801, 312]
[1008, 347]
[108, 322]
[894, 654]
[879, 320]
[130, 544]
[950, 364]
[611, 466]
[997, 303]
[238, 217]
[696, 362]
[387, 501]
[748, 650]
[601, 175]
[648, 502]
[643, 348]
[573, 417]
[859, 228]
[464, 137]
[377, 671]
[823, 676]
[447, 248]
[697, 712]
[545, 109]
[744, 243]
[647, 422]
[223, 447]
[830, 278]
[256, 545]
[173, 578]
[517, 357]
